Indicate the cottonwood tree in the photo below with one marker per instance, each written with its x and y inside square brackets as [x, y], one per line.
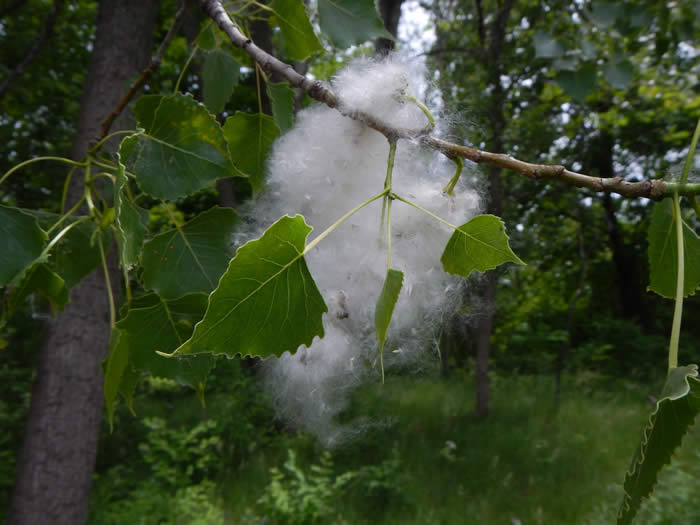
[187, 319]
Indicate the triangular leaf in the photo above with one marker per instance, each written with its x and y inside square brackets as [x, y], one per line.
[267, 302]
[37, 279]
[249, 138]
[663, 253]
[130, 231]
[192, 257]
[282, 102]
[619, 75]
[181, 150]
[206, 40]
[77, 253]
[578, 84]
[298, 37]
[145, 109]
[605, 14]
[114, 369]
[21, 242]
[674, 415]
[385, 308]
[546, 46]
[163, 327]
[481, 244]
[350, 22]
[220, 75]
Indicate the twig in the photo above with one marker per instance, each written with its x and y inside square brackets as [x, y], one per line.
[33, 53]
[146, 74]
[655, 189]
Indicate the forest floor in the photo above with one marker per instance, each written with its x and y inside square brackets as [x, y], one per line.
[420, 457]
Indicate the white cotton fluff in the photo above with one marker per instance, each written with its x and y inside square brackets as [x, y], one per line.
[322, 168]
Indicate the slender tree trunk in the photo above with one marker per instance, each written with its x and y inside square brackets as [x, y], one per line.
[629, 280]
[57, 459]
[390, 11]
[497, 124]
[484, 325]
[571, 318]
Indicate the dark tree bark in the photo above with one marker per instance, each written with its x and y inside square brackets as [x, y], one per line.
[629, 280]
[57, 459]
[390, 11]
[564, 349]
[493, 48]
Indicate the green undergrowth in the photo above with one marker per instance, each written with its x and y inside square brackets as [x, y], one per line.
[422, 458]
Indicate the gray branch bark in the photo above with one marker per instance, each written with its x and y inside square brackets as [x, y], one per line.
[652, 189]
[57, 459]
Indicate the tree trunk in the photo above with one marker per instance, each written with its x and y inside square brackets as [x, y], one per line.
[390, 11]
[484, 325]
[629, 281]
[497, 125]
[57, 459]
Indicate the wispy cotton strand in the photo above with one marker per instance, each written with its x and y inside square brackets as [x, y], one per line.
[323, 167]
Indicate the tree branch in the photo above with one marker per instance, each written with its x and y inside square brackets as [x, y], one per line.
[146, 74]
[655, 189]
[33, 53]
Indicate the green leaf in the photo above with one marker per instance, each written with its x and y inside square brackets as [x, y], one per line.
[675, 413]
[249, 138]
[115, 367]
[220, 76]
[578, 84]
[663, 253]
[481, 244]
[129, 229]
[605, 14]
[282, 102]
[190, 258]
[206, 40]
[298, 37]
[21, 242]
[546, 46]
[350, 22]
[619, 75]
[385, 308]
[77, 253]
[145, 109]
[163, 327]
[267, 302]
[181, 150]
[38, 279]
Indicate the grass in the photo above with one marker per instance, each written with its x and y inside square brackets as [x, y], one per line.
[534, 460]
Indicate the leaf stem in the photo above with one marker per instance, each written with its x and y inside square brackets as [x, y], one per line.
[450, 186]
[184, 68]
[113, 134]
[38, 159]
[678, 307]
[425, 111]
[108, 284]
[680, 279]
[66, 215]
[423, 210]
[387, 185]
[340, 221]
[60, 234]
[691, 153]
[388, 237]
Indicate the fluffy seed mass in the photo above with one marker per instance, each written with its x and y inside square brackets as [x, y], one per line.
[323, 167]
